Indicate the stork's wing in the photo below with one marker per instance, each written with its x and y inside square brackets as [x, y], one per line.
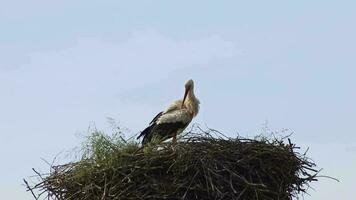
[166, 125]
[171, 108]
[167, 122]
[181, 115]
[149, 128]
[155, 118]
[176, 105]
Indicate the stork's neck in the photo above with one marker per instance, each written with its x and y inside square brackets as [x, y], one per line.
[191, 95]
[192, 103]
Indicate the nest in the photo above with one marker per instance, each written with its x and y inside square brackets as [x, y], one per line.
[199, 166]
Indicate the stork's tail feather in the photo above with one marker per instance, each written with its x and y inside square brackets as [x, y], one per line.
[144, 132]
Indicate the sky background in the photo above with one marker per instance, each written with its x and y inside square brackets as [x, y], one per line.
[66, 65]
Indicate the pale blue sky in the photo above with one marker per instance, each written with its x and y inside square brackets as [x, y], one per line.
[67, 64]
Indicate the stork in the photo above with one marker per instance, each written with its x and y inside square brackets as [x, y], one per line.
[172, 121]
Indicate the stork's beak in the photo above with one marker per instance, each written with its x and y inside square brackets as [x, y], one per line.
[185, 96]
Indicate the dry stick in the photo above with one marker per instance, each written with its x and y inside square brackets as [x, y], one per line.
[30, 189]
[105, 188]
[186, 191]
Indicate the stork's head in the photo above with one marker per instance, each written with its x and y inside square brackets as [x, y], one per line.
[189, 85]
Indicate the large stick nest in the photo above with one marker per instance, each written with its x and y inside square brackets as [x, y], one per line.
[200, 166]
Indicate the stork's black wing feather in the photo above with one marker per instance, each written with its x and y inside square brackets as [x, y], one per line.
[167, 130]
[149, 128]
[162, 131]
[155, 118]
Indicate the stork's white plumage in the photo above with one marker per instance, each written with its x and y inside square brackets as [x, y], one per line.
[172, 121]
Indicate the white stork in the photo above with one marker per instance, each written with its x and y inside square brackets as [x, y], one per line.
[174, 119]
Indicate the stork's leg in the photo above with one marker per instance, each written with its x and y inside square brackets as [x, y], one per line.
[174, 140]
